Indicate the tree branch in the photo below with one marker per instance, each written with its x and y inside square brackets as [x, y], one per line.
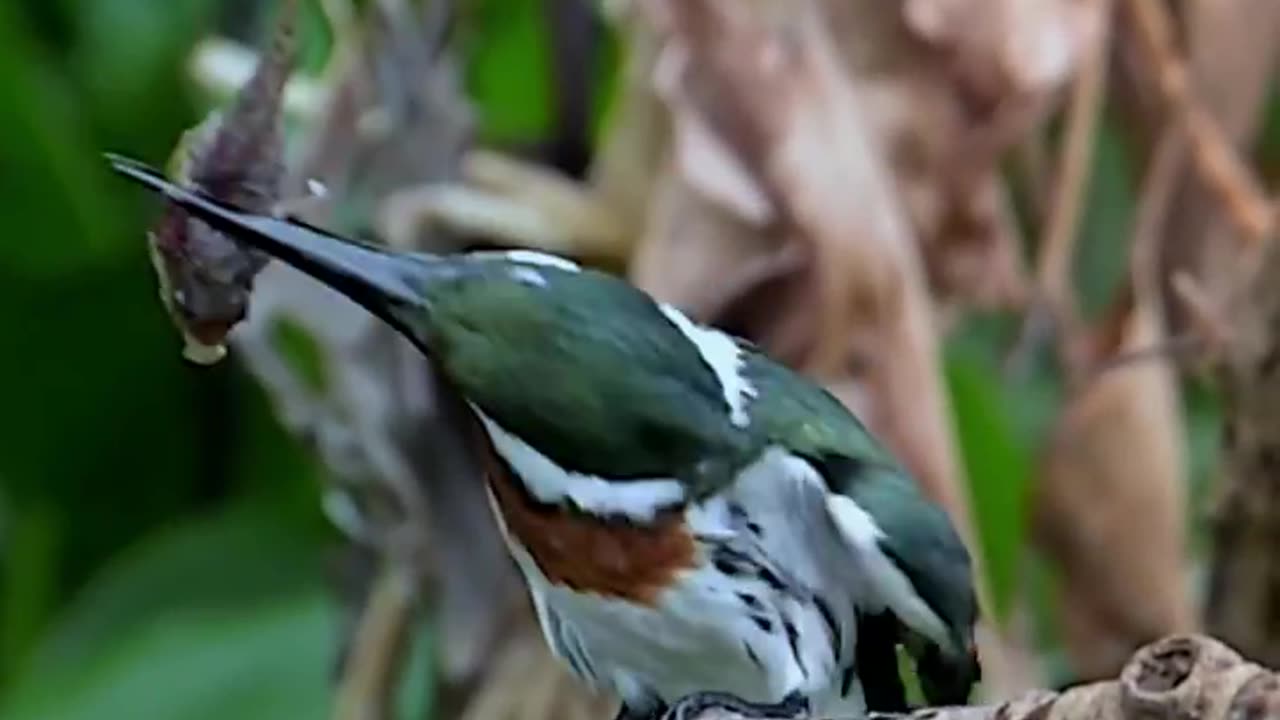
[1243, 604]
[1187, 677]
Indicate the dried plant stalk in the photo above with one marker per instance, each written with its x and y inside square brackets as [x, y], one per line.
[1212, 152]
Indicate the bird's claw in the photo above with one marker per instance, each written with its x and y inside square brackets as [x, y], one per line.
[691, 706]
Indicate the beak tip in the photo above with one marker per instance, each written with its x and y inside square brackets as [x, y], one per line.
[138, 172]
[119, 163]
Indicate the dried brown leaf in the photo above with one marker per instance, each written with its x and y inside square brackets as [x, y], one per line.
[1003, 48]
[690, 244]
[774, 91]
[632, 153]
[1110, 506]
[509, 202]
[950, 86]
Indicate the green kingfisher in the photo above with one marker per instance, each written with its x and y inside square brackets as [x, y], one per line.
[696, 523]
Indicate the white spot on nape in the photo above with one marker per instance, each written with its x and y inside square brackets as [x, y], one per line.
[722, 354]
[528, 276]
[639, 499]
[889, 585]
[535, 257]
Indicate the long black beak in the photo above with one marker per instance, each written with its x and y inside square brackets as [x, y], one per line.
[378, 279]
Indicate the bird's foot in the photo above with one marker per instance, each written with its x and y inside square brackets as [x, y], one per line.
[691, 706]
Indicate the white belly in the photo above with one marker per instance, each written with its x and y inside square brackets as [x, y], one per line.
[699, 637]
[759, 635]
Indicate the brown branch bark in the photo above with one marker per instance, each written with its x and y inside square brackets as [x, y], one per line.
[1110, 506]
[1243, 605]
[1182, 677]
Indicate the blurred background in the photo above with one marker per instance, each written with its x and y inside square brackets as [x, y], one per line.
[1019, 238]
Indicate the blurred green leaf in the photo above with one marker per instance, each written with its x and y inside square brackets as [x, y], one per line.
[998, 469]
[608, 62]
[1203, 438]
[222, 568]
[418, 681]
[57, 213]
[315, 37]
[1034, 390]
[77, 349]
[1106, 228]
[273, 465]
[508, 73]
[30, 571]
[910, 678]
[130, 53]
[221, 562]
[270, 660]
[1041, 585]
[302, 352]
[98, 427]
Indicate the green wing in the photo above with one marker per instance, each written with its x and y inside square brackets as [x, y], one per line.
[921, 540]
[799, 414]
[918, 534]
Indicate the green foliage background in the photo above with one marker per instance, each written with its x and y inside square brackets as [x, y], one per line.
[161, 548]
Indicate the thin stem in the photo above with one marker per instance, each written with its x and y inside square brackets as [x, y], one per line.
[1214, 156]
[1058, 244]
[371, 673]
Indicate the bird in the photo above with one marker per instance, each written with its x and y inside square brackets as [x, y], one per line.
[696, 523]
